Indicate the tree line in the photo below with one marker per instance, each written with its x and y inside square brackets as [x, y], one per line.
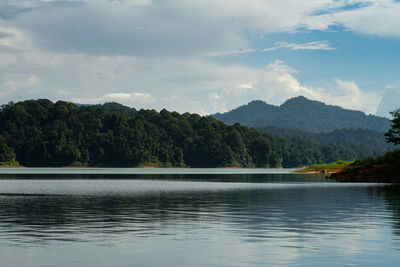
[43, 133]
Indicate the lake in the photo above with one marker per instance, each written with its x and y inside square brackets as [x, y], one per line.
[194, 217]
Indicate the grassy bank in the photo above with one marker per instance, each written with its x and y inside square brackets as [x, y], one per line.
[10, 164]
[326, 168]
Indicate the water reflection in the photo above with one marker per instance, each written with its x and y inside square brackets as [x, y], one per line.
[254, 213]
[243, 178]
[296, 221]
[391, 194]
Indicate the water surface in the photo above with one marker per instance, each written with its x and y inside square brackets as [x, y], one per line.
[197, 219]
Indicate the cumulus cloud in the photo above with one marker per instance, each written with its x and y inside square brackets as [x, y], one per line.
[281, 77]
[177, 84]
[131, 99]
[193, 85]
[90, 49]
[389, 101]
[347, 94]
[219, 100]
[277, 82]
[353, 97]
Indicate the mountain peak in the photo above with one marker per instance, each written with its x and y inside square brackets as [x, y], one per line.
[301, 100]
[304, 114]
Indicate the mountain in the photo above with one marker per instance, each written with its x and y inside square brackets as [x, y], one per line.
[303, 114]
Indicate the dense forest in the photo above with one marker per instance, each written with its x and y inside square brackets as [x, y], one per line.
[369, 139]
[43, 133]
[303, 114]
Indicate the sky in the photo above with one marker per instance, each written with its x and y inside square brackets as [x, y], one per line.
[201, 56]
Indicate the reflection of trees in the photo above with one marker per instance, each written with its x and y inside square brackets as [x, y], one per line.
[255, 213]
[391, 194]
[253, 178]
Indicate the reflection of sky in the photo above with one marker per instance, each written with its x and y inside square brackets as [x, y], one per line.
[233, 225]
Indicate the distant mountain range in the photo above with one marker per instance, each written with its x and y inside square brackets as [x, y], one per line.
[302, 114]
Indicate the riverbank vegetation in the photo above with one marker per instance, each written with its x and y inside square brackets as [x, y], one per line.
[326, 168]
[10, 164]
[385, 168]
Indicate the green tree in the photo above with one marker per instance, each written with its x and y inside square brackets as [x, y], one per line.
[393, 135]
[6, 152]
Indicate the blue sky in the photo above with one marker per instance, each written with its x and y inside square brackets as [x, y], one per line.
[201, 56]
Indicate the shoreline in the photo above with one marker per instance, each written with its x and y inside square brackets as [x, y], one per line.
[326, 172]
[383, 169]
[149, 167]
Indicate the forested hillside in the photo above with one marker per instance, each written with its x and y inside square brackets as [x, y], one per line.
[43, 133]
[372, 140]
[303, 114]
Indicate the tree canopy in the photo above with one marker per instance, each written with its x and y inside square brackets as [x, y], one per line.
[393, 135]
[6, 152]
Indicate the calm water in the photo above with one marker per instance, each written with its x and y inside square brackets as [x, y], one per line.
[180, 217]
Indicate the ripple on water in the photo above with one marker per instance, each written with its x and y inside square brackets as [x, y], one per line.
[204, 223]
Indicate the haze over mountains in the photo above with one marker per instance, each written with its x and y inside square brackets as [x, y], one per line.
[302, 114]
[389, 102]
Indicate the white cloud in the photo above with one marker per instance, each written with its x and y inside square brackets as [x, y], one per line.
[316, 45]
[33, 80]
[181, 28]
[66, 76]
[214, 96]
[135, 99]
[196, 83]
[220, 100]
[13, 38]
[238, 89]
[379, 17]
[170, 27]
[277, 82]
[389, 101]
[347, 94]
[352, 97]
[107, 47]
[280, 76]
